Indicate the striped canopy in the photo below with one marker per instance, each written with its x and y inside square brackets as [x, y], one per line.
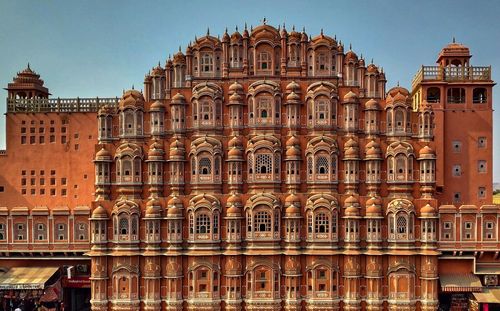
[26, 277]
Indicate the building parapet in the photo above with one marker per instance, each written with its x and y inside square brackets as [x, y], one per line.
[65, 105]
[451, 74]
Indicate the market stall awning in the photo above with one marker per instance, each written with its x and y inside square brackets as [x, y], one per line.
[488, 296]
[460, 283]
[26, 277]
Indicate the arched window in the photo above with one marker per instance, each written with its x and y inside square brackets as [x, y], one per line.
[479, 95]
[399, 120]
[202, 224]
[262, 222]
[264, 61]
[264, 163]
[206, 110]
[433, 95]
[123, 226]
[321, 109]
[264, 109]
[401, 225]
[207, 63]
[321, 223]
[205, 166]
[322, 166]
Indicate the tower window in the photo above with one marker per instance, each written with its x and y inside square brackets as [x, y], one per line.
[457, 170]
[481, 142]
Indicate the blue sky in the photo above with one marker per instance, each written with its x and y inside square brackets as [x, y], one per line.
[98, 48]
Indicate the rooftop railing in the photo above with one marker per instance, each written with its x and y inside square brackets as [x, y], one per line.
[437, 73]
[59, 104]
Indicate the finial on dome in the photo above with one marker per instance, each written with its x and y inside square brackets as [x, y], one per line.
[303, 28]
[372, 61]
[335, 37]
[245, 25]
[293, 27]
[179, 48]
[361, 56]
[321, 31]
[133, 87]
[264, 21]
[350, 47]
[453, 39]
[208, 31]
[158, 63]
[29, 65]
[251, 28]
[398, 83]
[236, 28]
[195, 38]
[284, 25]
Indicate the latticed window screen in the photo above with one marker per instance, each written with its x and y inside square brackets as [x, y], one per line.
[310, 165]
[206, 110]
[334, 222]
[123, 225]
[262, 222]
[401, 223]
[264, 108]
[277, 163]
[205, 166]
[135, 225]
[322, 166]
[321, 110]
[321, 223]
[263, 163]
[202, 224]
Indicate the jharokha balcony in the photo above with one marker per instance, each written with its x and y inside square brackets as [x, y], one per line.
[455, 73]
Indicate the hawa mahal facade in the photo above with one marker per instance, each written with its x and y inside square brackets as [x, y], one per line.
[264, 170]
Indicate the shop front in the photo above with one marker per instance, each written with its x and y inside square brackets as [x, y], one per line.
[28, 288]
[457, 291]
[76, 293]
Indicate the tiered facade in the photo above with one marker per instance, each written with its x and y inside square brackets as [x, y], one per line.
[269, 170]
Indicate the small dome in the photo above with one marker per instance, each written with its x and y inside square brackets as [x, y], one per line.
[398, 89]
[236, 37]
[373, 210]
[292, 141]
[233, 211]
[350, 97]
[351, 56]
[103, 154]
[158, 71]
[293, 152]
[234, 199]
[174, 211]
[157, 105]
[178, 99]
[155, 150]
[427, 210]
[351, 211]
[236, 87]
[372, 68]
[235, 142]
[176, 149]
[106, 110]
[351, 200]
[174, 201]
[179, 58]
[292, 198]
[153, 208]
[426, 152]
[235, 153]
[373, 201]
[373, 144]
[235, 98]
[292, 210]
[293, 86]
[372, 104]
[351, 149]
[293, 97]
[100, 212]
[131, 99]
